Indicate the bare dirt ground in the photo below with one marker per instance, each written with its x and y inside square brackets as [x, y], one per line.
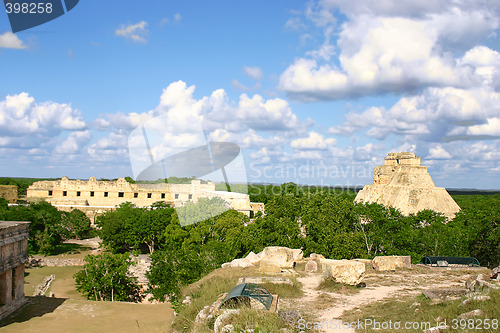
[47, 314]
[92, 243]
[327, 307]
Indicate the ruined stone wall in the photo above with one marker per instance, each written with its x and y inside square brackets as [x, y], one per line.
[257, 207]
[113, 193]
[13, 256]
[95, 197]
[237, 201]
[182, 192]
[9, 193]
[403, 158]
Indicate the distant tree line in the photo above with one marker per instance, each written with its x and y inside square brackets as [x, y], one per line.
[21, 183]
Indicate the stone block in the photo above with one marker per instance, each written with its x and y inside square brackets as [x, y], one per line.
[364, 261]
[282, 257]
[391, 263]
[253, 258]
[343, 271]
[473, 313]
[311, 266]
[316, 256]
[269, 267]
[495, 273]
[243, 262]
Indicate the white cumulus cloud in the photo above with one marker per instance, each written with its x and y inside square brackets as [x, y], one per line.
[27, 123]
[10, 40]
[177, 17]
[74, 143]
[254, 72]
[251, 121]
[438, 114]
[438, 152]
[389, 48]
[313, 141]
[137, 33]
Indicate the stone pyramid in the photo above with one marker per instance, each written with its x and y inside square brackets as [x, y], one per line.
[404, 184]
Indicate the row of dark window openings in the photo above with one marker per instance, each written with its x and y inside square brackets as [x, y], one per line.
[120, 194]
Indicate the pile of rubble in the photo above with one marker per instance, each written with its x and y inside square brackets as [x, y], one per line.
[476, 289]
[273, 257]
[277, 259]
[483, 284]
[42, 288]
[40, 261]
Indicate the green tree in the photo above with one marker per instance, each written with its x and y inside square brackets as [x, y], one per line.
[330, 222]
[149, 230]
[115, 227]
[171, 269]
[192, 251]
[4, 205]
[45, 225]
[129, 228]
[130, 180]
[75, 224]
[479, 221]
[203, 209]
[104, 278]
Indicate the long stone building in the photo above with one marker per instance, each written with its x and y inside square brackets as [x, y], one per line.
[403, 183]
[96, 197]
[13, 256]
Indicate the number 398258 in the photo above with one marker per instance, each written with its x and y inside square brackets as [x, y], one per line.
[28, 8]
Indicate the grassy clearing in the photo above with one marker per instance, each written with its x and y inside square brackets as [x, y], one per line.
[70, 249]
[63, 286]
[248, 319]
[339, 288]
[260, 321]
[284, 290]
[422, 310]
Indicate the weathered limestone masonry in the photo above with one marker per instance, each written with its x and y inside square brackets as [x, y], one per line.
[113, 193]
[239, 201]
[404, 184]
[257, 207]
[13, 247]
[95, 197]
[9, 193]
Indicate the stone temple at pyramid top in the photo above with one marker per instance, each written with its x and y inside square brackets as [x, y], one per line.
[403, 183]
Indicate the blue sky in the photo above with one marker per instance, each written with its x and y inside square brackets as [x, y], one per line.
[313, 92]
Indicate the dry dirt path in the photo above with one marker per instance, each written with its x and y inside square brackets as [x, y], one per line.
[92, 243]
[328, 317]
[328, 307]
